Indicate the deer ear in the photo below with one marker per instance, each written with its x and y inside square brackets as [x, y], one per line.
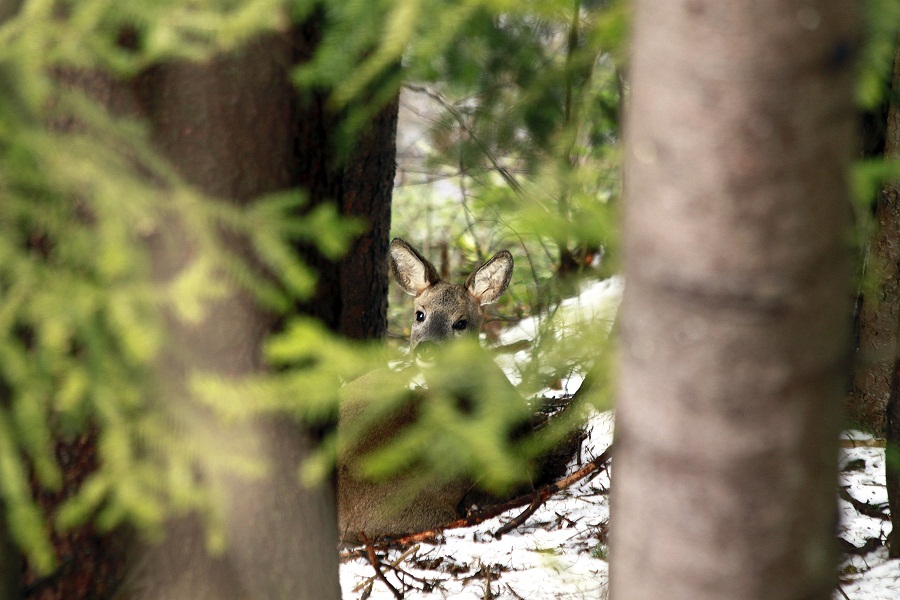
[491, 279]
[411, 270]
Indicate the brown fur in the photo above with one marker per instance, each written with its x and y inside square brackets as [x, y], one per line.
[410, 501]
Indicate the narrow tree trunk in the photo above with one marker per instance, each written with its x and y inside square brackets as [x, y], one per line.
[735, 320]
[875, 314]
[879, 311]
[351, 295]
[367, 185]
[890, 199]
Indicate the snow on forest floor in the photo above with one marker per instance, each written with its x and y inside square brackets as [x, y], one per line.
[559, 552]
[864, 522]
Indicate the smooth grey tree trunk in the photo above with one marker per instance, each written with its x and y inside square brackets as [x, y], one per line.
[735, 321]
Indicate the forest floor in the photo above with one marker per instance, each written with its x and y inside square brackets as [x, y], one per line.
[865, 571]
[559, 552]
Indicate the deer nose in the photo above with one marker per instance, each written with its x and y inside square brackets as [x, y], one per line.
[426, 352]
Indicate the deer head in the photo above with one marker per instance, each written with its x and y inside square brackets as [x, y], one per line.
[445, 310]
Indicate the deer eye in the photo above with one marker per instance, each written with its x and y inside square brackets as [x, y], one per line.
[460, 325]
[420, 316]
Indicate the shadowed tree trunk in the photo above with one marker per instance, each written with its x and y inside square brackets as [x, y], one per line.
[874, 401]
[889, 204]
[878, 322]
[351, 297]
[367, 185]
[735, 321]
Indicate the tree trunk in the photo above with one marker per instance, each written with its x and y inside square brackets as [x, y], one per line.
[878, 321]
[890, 201]
[227, 126]
[351, 295]
[367, 185]
[235, 128]
[282, 537]
[735, 320]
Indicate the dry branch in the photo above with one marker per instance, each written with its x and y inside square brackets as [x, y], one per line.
[394, 564]
[864, 508]
[520, 519]
[535, 499]
[376, 564]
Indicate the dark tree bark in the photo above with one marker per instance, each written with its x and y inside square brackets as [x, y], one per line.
[878, 321]
[368, 180]
[735, 321]
[889, 202]
[874, 401]
[351, 296]
[91, 563]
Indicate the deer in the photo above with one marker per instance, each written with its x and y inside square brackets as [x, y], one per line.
[442, 311]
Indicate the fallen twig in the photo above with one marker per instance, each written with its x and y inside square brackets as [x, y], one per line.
[393, 564]
[870, 545]
[864, 508]
[853, 443]
[488, 595]
[514, 592]
[538, 496]
[373, 559]
[366, 594]
[520, 519]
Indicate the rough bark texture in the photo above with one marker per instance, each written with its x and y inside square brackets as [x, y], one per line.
[890, 199]
[878, 322]
[90, 563]
[735, 321]
[367, 183]
[351, 296]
